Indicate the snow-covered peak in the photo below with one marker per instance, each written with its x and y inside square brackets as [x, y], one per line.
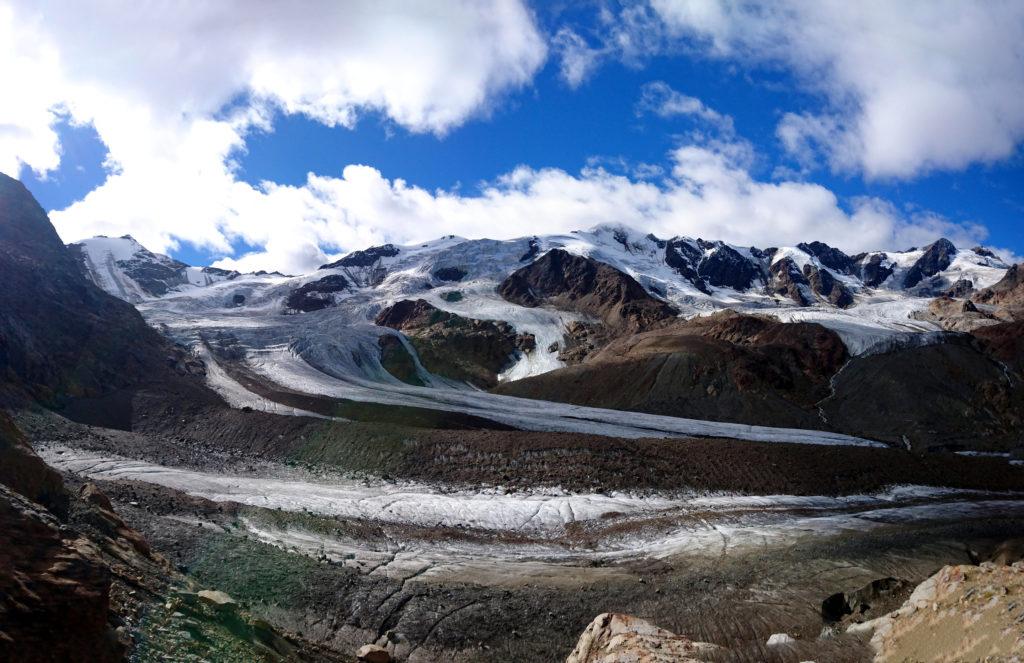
[126, 269]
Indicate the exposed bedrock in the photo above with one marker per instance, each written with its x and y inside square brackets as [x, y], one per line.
[874, 270]
[956, 314]
[787, 280]
[725, 367]
[958, 394]
[452, 346]
[937, 257]
[575, 283]
[64, 341]
[828, 287]
[1007, 294]
[830, 257]
[315, 295]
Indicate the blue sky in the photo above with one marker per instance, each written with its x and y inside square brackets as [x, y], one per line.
[551, 120]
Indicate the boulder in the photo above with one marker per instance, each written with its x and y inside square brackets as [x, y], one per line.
[962, 613]
[780, 640]
[617, 638]
[373, 654]
[216, 598]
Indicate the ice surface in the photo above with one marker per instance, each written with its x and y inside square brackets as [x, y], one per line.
[690, 524]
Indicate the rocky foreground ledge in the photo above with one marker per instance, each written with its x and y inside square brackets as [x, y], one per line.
[962, 613]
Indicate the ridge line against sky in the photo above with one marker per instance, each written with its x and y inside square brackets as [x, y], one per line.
[264, 136]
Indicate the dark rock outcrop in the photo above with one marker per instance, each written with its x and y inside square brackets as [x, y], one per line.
[788, 281]
[51, 583]
[397, 361]
[62, 337]
[365, 268]
[532, 249]
[452, 346]
[937, 257]
[685, 258]
[364, 258]
[570, 282]
[724, 267]
[877, 598]
[1004, 342]
[830, 257]
[828, 287]
[316, 295]
[450, 274]
[960, 289]
[874, 270]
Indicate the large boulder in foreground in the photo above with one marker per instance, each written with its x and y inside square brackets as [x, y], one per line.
[962, 613]
[54, 589]
[617, 638]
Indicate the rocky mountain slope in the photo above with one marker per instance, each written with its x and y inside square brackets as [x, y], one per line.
[606, 319]
[126, 269]
[64, 340]
[278, 486]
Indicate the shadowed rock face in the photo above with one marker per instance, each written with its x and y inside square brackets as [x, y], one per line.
[450, 274]
[365, 258]
[830, 257]
[725, 267]
[365, 268]
[950, 395]
[787, 280]
[936, 258]
[450, 345]
[826, 285]
[1005, 342]
[584, 285]
[960, 289]
[54, 591]
[60, 335]
[685, 258]
[316, 295]
[875, 270]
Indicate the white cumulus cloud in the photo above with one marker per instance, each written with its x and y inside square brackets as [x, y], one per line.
[911, 86]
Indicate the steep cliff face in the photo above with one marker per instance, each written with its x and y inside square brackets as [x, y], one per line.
[58, 332]
[62, 337]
